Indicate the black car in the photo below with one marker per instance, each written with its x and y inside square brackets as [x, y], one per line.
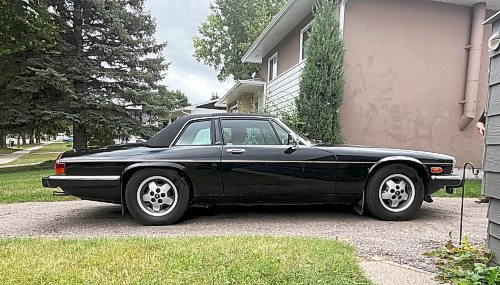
[249, 159]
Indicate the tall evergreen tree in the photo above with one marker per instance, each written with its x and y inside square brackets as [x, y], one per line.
[322, 84]
[229, 31]
[108, 69]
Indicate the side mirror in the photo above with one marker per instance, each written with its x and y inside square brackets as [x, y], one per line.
[294, 141]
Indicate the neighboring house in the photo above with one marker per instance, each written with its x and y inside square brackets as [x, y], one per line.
[492, 151]
[201, 108]
[415, 71]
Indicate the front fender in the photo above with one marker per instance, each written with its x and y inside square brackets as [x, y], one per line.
[390, 159]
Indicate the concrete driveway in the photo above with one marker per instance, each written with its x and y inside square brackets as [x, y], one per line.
[400, 242]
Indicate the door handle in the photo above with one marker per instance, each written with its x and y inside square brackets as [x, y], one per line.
[236, 150]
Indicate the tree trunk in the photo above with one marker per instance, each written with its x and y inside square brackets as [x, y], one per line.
[79, 137]
[18, 140]
[3, 139]
[23, 137]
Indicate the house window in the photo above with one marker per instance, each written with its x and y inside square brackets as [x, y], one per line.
[272, 67]
[304, 41]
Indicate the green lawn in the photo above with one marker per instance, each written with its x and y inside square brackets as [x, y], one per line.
[193, 260]
[55, 147]
[24, 184]
[48, 152]
[472, 190]
[4, 150]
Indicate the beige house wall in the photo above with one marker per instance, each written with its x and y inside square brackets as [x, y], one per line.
[405, 70]
[288, 50]
[245, 103]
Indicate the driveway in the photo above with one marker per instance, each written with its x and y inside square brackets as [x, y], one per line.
[401, 242]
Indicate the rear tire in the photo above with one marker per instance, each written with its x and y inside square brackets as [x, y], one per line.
[394, 193]
[157, 196]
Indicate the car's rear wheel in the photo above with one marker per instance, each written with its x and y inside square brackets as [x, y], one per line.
[157, 196]
[395, 192]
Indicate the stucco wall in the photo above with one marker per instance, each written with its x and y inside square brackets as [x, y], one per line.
[288, 50]
[405, 70]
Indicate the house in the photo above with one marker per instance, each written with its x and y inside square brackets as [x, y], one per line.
[492, 150]
[415, 70]
[201, 108]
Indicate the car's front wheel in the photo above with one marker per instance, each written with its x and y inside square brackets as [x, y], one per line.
[157, 196]
[395, 192]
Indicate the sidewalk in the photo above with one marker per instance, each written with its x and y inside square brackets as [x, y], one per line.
[6, 158]
[391, 273]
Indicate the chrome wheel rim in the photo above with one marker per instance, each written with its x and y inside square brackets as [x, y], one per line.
[397, 193]
[157, 196]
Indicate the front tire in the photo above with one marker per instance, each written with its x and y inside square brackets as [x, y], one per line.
[157, 196]
[394, 193]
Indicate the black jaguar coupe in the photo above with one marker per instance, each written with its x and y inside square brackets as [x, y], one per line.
[249, 159]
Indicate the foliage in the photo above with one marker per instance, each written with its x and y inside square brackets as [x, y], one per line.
[98, 75]
[472, 190]
[322, 83]
[229, 31]
[179, 260]
[465, 264]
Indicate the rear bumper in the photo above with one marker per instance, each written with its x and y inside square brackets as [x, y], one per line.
[70, 181]
[97, 188]
[449, 182]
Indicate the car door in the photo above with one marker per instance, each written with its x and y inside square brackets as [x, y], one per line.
[258, 159]
[198, 149]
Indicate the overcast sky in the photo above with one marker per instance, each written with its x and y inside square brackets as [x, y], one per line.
[177, 23]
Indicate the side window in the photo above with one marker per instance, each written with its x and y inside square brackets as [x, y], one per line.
[196, 133]
[249, 132]
[282, 133]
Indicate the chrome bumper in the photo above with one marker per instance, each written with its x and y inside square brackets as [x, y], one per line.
[449, 182]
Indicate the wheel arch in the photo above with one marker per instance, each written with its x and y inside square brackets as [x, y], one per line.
[131, 169]
[405, 160]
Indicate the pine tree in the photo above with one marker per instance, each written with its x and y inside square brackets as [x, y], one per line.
[108, 68]
[322, 84]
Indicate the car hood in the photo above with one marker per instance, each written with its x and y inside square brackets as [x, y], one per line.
[364, 153]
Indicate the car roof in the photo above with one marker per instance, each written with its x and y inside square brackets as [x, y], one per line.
[165, 137]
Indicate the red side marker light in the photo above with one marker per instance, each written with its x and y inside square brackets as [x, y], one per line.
[59, 166]
[436, 170]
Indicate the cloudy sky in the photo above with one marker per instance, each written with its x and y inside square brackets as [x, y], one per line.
[177, 23]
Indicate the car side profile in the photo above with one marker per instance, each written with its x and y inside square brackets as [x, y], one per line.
[249, 159]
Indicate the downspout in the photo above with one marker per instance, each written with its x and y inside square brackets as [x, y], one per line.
[342, 16]
[474, 66]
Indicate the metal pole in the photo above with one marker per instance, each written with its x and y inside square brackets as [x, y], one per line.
[474, 172]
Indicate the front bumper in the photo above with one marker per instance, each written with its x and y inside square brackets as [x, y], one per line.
[448, 182]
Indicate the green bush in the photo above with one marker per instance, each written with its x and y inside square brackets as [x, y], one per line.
[465, 264]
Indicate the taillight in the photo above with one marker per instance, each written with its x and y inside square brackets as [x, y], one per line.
[59, 166]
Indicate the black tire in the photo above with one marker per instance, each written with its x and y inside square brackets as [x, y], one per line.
[383, 208]
[168, 214]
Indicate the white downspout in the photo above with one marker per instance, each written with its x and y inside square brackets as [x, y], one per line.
[342, 16]
[474, 66]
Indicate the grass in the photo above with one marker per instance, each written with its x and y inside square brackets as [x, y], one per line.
[193, 260]
[472, 190]
[54, 147]
[48, 152]
[9, 150]
[24, 184]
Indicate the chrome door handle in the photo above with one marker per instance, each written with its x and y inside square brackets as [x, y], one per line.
[236, 150]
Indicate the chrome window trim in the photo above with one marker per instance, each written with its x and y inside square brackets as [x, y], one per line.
[85, 178]
[210, 118]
